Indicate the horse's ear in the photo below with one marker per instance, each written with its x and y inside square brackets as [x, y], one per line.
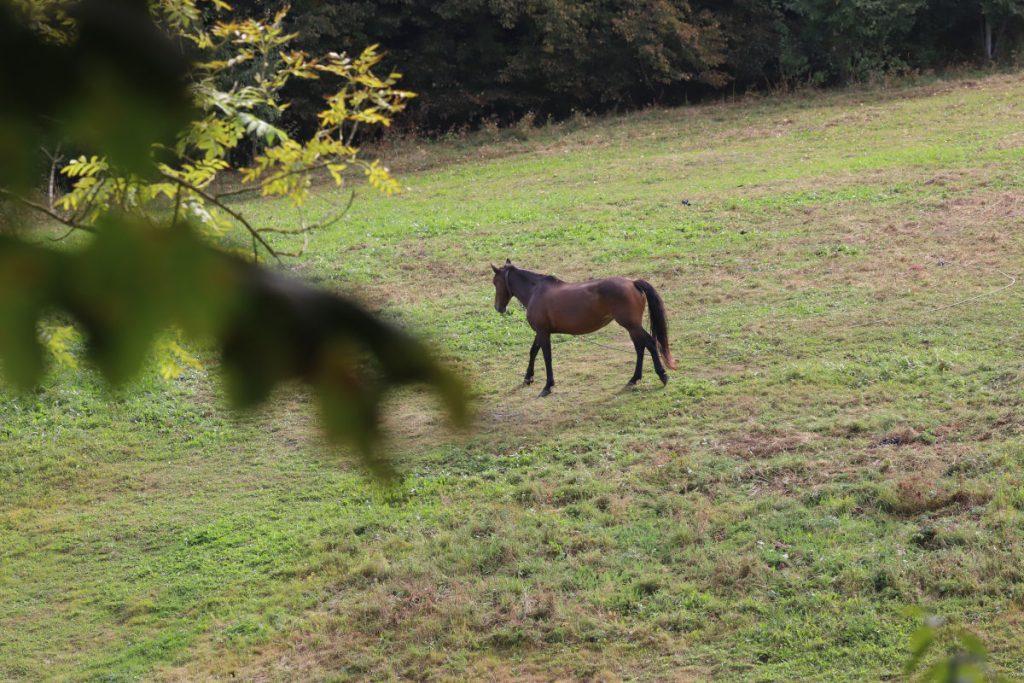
[494, 268]
[508, 262]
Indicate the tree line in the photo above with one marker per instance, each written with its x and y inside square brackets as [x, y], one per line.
[472, 60]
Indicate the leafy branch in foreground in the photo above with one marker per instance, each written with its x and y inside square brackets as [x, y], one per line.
[235, 80]
[153, 130]
[965, 663]
[132, 281]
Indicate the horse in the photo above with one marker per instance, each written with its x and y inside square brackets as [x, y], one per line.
[557, 307]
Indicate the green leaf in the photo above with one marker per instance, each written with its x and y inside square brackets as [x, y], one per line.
[27, 277]
[920, 641]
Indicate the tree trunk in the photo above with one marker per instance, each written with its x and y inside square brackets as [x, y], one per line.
[51, 190]
[988, 38]
[999, 38]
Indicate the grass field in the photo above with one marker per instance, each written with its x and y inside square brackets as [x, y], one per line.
[842, 440]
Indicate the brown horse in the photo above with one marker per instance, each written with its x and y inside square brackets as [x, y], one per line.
[556, 307]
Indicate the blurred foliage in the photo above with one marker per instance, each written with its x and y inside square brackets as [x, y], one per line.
[149, 95]
[475, 59]
[962, 656]
[234, 79]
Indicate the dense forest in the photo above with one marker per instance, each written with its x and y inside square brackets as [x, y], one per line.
[476, 59]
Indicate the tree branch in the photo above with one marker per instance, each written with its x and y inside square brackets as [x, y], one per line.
[177, 207]
[243, 190]
[341, 214]
[62, 237]
[42, 209]
[83, 210]
[315, 226]
[228, 210]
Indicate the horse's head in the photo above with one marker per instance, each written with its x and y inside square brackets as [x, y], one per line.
[502, 294]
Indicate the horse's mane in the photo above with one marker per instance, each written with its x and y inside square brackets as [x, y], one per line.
[536, 277]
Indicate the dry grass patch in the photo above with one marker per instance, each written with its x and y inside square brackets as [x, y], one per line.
[760, 443]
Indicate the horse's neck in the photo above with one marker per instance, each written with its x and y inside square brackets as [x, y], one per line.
[522, 284]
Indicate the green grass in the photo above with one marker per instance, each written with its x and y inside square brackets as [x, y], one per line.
[832, 450]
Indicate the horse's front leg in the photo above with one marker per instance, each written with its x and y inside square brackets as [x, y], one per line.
[545, 344]
[528, 379]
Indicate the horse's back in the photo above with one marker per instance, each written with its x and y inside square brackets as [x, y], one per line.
[615, 286]
[583, 307]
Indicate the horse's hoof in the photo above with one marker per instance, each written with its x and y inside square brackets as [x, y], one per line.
[545, 392]
[664, 380]
[631, 383]
[527, 381]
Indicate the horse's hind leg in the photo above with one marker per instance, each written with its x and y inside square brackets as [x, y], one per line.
[628, 311]
[652, 346]
[638, 343]
[642, 339]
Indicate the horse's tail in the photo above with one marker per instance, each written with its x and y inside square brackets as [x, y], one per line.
[659, 324]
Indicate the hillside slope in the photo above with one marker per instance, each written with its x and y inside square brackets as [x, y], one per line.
[843, 438]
